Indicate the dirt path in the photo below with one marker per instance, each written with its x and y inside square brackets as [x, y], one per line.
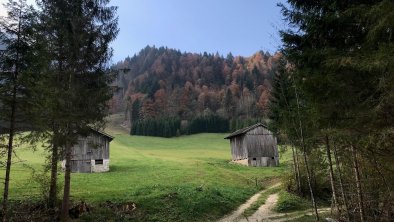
[234, 216]
[282, 217]
[237, 214]
[265, 211]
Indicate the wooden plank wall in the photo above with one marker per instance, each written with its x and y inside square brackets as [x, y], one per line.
[80, 166]
[93, 147]
[238, 148]
[258, 146]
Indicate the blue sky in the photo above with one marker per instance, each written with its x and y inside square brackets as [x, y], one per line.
[242, 27]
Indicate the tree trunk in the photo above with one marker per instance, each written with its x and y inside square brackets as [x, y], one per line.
[304, 154]
[9, 157]
[12, 127]
[386, 204]
[53, 185]
[296, 170]
[358, 183]
[341, 185]
[332, 179]
[64, 216]
[310, 185]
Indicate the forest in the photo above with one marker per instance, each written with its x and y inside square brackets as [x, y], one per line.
[160, 85]
[332, 103]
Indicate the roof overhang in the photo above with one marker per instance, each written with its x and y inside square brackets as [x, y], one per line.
[245, 130]
[103, 134]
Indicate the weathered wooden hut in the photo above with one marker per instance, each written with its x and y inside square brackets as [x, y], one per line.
[254, 146]
[91, 153]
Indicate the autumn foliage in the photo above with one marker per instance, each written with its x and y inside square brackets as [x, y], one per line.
[168, 83]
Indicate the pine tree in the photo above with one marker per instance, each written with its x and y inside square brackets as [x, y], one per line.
[282, 99]
[78, 35]
[341, 51]
[228, 103]
[16, 74]
[135, 113]
[229, 59]
[290, 118]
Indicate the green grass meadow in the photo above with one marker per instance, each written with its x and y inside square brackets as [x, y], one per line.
[188, 178]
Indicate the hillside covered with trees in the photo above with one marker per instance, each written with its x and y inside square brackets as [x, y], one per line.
[165, 92]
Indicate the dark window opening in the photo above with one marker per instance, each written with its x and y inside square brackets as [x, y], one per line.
[99, 161]
[273, 158]
[254, 158]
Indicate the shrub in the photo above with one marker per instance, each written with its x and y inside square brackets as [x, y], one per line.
[43, 179]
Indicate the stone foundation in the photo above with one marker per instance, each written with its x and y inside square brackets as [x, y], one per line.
[90, 167]
[98, 168]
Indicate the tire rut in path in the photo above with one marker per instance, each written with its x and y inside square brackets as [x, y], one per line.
[265, 211]
[237, 215]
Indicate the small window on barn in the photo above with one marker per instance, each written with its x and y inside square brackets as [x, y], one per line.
[254, 158]
[98, 161]
[273, 158]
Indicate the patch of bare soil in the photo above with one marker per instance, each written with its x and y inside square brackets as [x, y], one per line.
[265, 212]
[238, 214]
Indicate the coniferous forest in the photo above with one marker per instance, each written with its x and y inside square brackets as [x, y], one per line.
[332, 104]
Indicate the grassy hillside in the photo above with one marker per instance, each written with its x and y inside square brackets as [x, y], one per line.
[184, 178]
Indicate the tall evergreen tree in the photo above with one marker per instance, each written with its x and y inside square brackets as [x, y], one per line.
[229, 59]
[135, 112]
[281, 103]
[228, 103]
[16, 74]
[78, 35]
[291, 118]
[341, 51]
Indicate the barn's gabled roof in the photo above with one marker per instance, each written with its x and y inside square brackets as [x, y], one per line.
[103, 134]
[4, 128]
[244, 130]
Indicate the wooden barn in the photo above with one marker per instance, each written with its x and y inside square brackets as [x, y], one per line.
[254, 146]
[91, 153]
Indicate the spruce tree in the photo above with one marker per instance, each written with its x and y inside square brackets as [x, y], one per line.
[78, 35]
[342, 54]
[291, 118]
[16, 75]
[281, 103]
